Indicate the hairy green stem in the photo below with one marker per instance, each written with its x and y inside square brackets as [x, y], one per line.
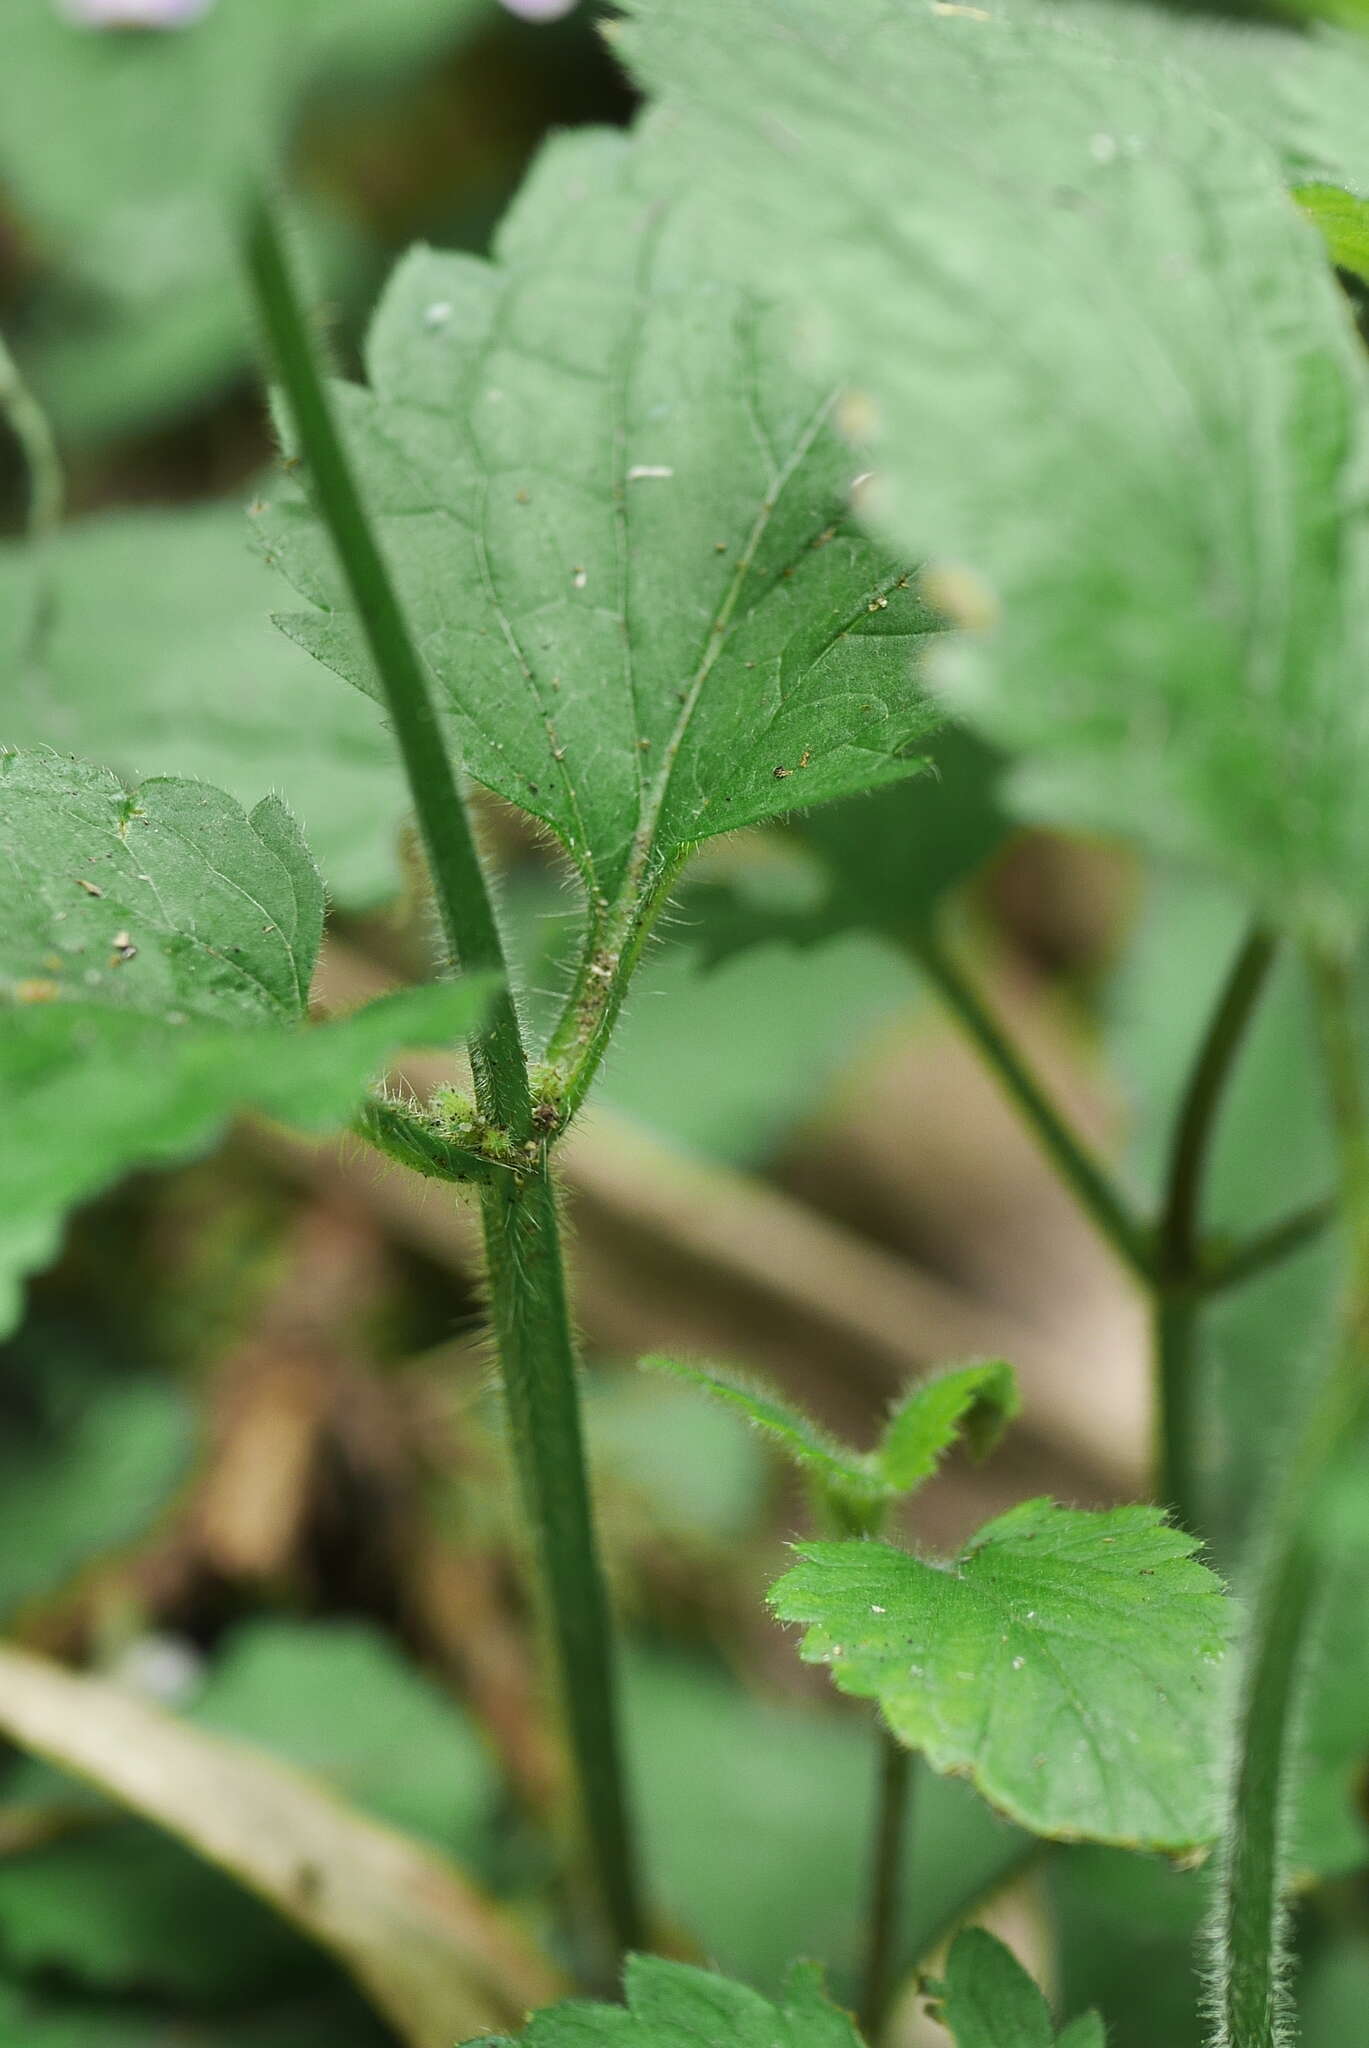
[1251, 2007]
[458, 880]
[528, 1304]
[893, 1799]
[531, 1318]
[612, 949]
[1179, 1243]
[1092, 1186]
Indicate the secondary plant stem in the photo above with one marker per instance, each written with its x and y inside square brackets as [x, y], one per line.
[46, 487]
[459, 886]
[532, 1326]
[528, 1304]
[1250, 1933]
[1092, 1186]
[1179, 1232]
[886, 1870]
[1179, 1243]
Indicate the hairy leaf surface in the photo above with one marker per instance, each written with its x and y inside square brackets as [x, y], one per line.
[156, 950]
[619, 520]
[160, 658]
[671, 2005]
[1066, 1662]
[1107, 378]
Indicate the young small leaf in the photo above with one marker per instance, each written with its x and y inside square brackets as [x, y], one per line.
[976, 1402]
[1066, 1662]
[1071, 284]
[156, 951]
[620, 523]
[973, 1401]
[670, 2004]
[989, 2001]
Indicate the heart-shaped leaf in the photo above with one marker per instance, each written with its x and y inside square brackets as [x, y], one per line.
[1066, 1662]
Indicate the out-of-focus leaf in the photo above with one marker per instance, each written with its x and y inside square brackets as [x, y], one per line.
[1128, 1933]
[886, 861]
[1066, 1662]
[161, 659]
[620, 522]
[122, 1905]
[156, 950]
[126, 153]
[1070, 283]
[671, 2003]
[989, 2001]
[791, 1791]
[96, 1480]
[429, 1950]
[698, 1475]
[33, 2019]
[1343, 219]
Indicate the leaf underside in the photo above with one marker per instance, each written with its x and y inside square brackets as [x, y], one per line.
[1067, 1663]
[620, 523]
[156, 950]
[1071, 284]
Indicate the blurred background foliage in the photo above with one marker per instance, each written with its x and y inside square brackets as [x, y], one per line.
[249, 1461]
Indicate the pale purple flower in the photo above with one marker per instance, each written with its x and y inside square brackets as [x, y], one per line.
[540, 10]
[133, 13]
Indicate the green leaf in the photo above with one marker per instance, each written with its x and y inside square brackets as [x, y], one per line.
[671, 2004]
[1066, 1662]
[161, 659]
[156, 950]
[976, 1402]
[1105, 373]
[989, 2001]
[973, 1401]
[1343, 219]
[97, 1477]
[619, 521]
